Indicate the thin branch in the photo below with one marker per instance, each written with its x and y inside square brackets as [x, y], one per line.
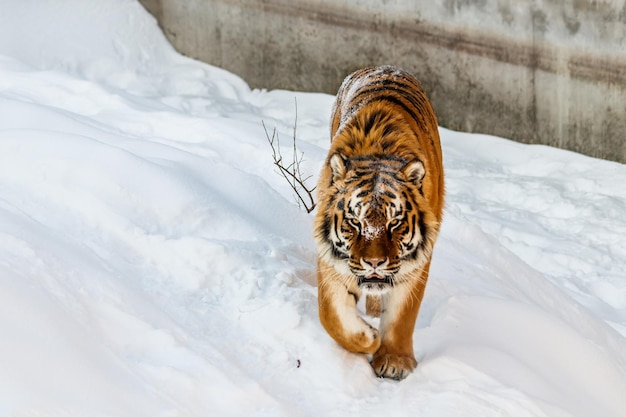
[292, 172]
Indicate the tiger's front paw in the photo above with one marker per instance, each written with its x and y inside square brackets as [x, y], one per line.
[393, 366]
[366, 341]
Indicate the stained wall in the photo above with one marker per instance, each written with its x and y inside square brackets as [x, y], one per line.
[536, 71]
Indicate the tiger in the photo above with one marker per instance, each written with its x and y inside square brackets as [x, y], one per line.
[380, 202]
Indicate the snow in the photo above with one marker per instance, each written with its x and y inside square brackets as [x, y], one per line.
[153, 263]
[371, 232]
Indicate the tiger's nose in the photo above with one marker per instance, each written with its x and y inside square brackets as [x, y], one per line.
[374, 262]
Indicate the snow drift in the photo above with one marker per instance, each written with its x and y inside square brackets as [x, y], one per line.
[153, 263]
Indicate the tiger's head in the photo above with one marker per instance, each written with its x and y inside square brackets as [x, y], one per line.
[373, 223]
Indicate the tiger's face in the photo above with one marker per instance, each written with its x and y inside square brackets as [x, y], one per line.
[375, 230]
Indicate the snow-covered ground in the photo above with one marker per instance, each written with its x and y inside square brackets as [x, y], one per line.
[153, 263]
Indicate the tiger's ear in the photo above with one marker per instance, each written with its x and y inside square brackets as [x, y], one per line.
[414, 171]
[338, 166]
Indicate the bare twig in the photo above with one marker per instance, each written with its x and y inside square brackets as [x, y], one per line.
[292, 172]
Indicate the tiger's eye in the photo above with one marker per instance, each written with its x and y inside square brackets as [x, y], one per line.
[354, 223]
[394, 223]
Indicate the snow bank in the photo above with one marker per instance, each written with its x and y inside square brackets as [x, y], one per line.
[153, 262]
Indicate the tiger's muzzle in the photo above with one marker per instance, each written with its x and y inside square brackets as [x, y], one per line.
[374, 275]
[375, 284]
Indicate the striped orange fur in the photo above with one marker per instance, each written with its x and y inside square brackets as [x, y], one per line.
[380, 204]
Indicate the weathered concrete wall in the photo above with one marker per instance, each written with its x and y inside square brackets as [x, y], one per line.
[537, 71]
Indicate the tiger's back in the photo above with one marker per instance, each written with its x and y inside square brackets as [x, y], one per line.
[388, 100]
[380, 203]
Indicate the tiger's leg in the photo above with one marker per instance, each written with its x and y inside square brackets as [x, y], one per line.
[395, 358]
[338, 314]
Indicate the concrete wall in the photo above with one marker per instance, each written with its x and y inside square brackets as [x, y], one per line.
[537, 71]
